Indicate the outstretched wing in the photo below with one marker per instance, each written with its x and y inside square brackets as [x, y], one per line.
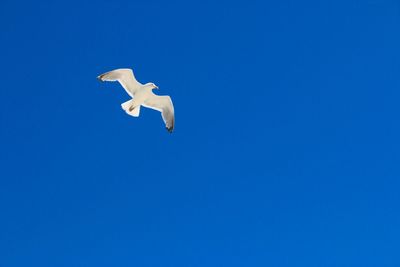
[125, 77]
[165, 106]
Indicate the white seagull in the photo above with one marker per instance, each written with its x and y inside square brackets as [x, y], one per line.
[142, 95]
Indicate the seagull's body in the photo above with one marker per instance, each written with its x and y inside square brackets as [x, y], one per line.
[142, 95]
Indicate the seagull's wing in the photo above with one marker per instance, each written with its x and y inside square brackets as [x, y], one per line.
[165, 106]
[125, 77]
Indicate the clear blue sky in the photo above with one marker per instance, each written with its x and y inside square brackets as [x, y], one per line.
[285, 151]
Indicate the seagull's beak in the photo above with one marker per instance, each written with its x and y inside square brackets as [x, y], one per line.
[156, 87]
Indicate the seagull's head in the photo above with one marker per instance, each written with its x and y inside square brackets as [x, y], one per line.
[151, 86]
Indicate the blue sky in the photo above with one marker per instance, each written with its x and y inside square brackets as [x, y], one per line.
[285, 151]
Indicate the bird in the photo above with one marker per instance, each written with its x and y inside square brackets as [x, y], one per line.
[142, 95]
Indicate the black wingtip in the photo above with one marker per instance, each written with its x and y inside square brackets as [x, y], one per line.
[169, 129]
[100, 78]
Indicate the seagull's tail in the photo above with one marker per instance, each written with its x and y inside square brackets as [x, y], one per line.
[126, 105]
